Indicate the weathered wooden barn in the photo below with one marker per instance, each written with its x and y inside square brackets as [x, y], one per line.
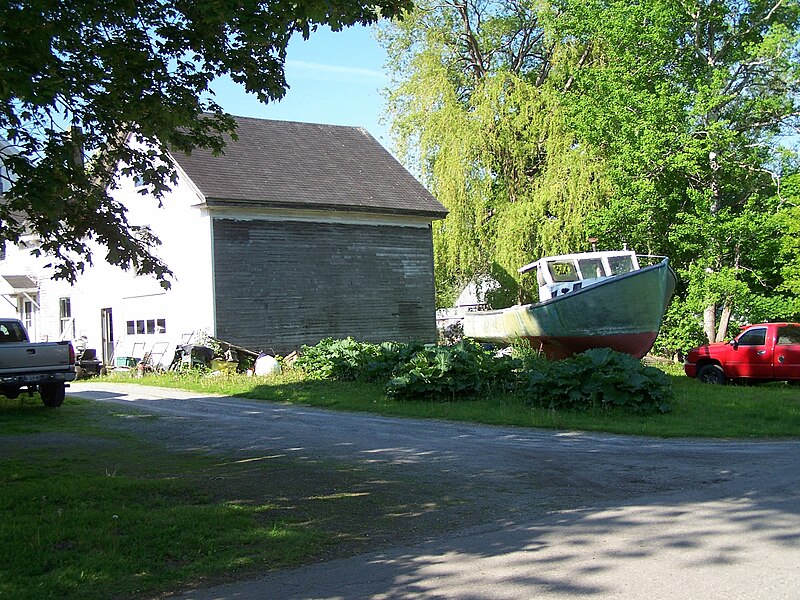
[317, 232]
[296, 233]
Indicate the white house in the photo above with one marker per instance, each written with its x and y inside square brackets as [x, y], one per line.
[297, 233]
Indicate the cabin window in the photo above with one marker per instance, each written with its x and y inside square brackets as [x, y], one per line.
[131, 327]
[620, 264]
[591, 268]
[562, 271]
[161, 326]
[753, 337]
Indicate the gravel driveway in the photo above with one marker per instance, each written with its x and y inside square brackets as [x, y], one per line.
[554, 514]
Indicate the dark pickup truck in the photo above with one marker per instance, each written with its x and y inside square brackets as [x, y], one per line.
[45, 367]
[763, 352]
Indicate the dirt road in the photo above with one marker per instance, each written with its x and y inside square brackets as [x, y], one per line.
[553, 514]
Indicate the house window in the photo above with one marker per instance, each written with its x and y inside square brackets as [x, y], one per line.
[146, 326]
[2, 250]
[67, 324]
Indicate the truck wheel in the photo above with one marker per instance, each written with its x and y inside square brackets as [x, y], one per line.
[711, 374]
[10, 392]
[52, 394]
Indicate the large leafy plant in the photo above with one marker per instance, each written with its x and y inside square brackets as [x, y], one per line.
[348, 359]
[452, 372]
[598, 378]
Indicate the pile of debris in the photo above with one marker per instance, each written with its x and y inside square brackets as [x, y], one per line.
[224, 357]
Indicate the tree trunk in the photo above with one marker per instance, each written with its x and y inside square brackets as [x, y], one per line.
[724, 321]
[710, 322]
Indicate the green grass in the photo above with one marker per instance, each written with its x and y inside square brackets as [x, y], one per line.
[87, 514]
[698, 410]
[92, 511]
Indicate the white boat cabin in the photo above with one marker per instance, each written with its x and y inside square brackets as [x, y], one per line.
[559, 275]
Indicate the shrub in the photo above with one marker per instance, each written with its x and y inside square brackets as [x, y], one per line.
[333, 359]
[387, 357]
[350, 360]
[598, 378]
[462, 370]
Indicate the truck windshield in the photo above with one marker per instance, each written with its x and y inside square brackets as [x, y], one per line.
[12, 332]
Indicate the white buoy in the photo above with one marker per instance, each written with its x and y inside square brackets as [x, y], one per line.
[267, 365]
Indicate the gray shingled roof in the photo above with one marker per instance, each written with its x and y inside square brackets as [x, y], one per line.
[306, 165]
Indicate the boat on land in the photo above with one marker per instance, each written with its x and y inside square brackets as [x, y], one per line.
[601, 299]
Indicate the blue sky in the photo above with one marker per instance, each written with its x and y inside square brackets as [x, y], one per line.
[334, 78]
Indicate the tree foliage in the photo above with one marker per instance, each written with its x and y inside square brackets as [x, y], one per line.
[122, 67]
[660, 124]
[472, 115]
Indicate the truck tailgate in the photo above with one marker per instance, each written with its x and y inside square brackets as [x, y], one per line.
[20, 358]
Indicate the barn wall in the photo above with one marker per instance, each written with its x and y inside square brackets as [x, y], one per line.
[281, 284]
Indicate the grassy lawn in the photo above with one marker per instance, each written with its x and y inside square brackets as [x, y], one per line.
[698, 410]
[93, 511]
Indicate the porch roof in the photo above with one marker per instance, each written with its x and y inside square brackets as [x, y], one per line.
[18, 284]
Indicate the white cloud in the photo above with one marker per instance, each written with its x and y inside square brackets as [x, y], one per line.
[325, 72]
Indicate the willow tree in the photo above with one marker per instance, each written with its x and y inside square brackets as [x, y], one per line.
[473, 112]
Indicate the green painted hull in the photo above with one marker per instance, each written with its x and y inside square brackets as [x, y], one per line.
[623, 313]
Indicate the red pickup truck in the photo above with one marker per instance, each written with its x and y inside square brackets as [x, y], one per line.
[763, 352]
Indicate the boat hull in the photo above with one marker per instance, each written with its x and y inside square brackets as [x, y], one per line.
[623, 313]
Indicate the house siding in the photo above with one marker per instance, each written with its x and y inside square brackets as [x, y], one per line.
[282, 284]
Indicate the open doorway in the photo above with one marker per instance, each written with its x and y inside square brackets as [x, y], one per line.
[107, 336]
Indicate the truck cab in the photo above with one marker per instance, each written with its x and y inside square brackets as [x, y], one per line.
[762, 352]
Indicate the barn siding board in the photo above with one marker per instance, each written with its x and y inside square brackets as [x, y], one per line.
[282, 284]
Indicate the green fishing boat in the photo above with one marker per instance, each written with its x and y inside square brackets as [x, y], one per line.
[586, 300]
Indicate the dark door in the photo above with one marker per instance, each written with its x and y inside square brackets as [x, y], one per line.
[107, 335]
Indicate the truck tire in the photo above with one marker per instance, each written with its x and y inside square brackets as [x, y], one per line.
[10, 392]
[712, 374]
[52, 394]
